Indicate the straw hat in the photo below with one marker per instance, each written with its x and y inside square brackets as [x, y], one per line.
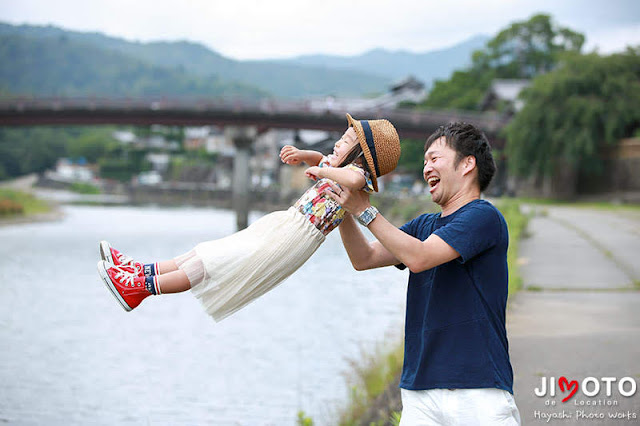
[380, 144]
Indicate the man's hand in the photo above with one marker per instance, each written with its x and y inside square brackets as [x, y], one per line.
[355, 202]
[291, 155]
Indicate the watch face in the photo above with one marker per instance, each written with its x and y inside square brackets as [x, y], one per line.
[367, 216]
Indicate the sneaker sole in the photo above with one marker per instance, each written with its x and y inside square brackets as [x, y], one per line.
[102, 270]
[105, 252]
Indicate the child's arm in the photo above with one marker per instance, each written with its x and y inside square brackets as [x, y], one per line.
[348, 177]
[292, 155]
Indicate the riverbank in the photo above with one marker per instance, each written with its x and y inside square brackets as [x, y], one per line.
[18, 206]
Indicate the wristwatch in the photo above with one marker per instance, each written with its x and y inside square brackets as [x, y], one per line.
[367, 215]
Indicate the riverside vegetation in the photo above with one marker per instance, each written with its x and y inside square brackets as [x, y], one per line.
[15, 203]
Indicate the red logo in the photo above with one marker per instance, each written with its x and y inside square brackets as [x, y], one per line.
[571, 386]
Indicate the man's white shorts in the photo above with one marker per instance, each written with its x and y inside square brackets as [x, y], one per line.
[459, 407]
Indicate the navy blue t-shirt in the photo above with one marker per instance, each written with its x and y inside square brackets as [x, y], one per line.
[455, 335]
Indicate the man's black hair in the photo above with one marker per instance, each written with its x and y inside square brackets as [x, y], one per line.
[466, 139]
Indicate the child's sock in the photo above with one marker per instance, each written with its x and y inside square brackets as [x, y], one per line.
[151, 283]
[150, 269]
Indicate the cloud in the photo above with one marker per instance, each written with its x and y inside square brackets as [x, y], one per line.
[614, 40]
[247, 29]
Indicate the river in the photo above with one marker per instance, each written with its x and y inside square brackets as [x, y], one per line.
[71, 355]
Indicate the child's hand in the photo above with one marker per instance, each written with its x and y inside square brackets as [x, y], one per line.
[313, 172]
[290, 155]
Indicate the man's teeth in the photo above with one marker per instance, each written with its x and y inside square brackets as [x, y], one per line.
[433, 180]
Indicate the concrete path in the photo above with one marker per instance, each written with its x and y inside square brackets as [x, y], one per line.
[23, 183]
[578, 317]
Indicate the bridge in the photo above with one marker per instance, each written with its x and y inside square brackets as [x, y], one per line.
[241, 119]
[261, 114]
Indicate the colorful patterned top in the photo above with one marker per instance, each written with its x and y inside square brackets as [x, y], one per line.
[324, 212]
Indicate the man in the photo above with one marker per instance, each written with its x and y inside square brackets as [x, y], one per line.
[456, 366]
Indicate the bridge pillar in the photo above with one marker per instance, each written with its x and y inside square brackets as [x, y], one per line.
[242, 138]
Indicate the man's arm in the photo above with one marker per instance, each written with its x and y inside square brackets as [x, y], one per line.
[417, 255]
[362, 253]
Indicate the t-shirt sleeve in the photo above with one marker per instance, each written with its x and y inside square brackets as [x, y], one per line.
[324, 162]
[368, 184]
[472, 232]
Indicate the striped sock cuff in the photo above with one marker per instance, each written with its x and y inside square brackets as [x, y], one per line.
[151, 283]
[157, 285]
[151, 269]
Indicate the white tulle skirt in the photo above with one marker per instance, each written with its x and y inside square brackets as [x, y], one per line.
[229, 273]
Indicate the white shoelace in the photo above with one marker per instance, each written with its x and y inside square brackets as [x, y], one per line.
[129, 262]
[124, 259]
[125, 277]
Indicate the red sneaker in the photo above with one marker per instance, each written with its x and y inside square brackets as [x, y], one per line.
[128, 288]
[115, 258]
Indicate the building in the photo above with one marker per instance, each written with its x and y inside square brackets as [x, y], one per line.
[408, 89]
[503, 96]
[68, 170]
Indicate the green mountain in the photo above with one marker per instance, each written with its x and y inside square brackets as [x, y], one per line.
[426, 66]
[198, 65]
[58, 66]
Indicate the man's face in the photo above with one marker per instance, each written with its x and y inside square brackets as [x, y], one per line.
[440, 173]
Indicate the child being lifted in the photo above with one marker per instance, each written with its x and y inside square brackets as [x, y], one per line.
[228, 273]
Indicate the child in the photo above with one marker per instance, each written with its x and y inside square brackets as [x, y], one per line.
[228, 273]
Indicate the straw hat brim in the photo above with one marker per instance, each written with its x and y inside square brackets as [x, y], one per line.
[380, 145]
[362, 140]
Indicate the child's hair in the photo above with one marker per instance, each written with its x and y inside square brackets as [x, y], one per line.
[354, 155]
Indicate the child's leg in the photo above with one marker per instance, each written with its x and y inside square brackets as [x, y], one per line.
[173, 282]
[166, 266]
[191, 265]
[179, 274]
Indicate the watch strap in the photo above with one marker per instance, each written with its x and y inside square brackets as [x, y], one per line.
[367, 216]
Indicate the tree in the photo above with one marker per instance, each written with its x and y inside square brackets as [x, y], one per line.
[464, 90]
[411, 156]
[31, 150]
[523, 50]
[527, 49]
[574, 113]
[92, 145]
[26, 150]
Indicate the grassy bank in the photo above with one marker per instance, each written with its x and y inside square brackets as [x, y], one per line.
[375, 398]
[18, 204]
[517, 223]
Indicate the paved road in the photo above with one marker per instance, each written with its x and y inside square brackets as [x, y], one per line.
[579, 317]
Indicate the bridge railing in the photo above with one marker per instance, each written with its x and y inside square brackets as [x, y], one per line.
[264, 107]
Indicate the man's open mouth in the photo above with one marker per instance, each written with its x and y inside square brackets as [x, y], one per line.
[433, 181]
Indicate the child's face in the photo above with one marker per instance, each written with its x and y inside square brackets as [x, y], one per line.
[343, 146]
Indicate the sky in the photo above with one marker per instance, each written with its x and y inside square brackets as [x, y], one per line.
[274, 29]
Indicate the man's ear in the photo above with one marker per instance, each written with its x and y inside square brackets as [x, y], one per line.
[468, 164]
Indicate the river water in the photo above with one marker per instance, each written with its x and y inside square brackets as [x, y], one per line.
[71, 355]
